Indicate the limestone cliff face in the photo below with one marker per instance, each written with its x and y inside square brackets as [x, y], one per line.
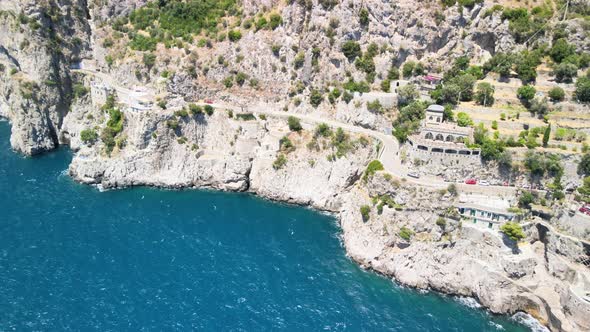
[216, 151]
[38, 42]
[537, 277]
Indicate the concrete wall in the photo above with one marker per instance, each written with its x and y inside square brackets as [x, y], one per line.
[429, 157]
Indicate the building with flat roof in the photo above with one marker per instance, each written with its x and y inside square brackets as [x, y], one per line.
[489, 217]
[442, 141]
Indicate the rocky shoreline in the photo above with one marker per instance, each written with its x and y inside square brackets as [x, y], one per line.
[457, 259]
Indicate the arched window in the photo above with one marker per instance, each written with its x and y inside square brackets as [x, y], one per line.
[429, 136]
[439, 137]
[449, 138]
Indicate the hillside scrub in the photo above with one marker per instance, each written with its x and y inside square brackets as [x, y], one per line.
[408, 120]
[373, 167]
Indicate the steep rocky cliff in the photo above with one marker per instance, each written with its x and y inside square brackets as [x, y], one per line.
[39, 40]
[178, 147]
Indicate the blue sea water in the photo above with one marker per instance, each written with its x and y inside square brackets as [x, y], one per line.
[75, 259]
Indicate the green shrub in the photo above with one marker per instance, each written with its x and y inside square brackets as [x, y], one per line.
[441, 222]
[245, 117]
[322, 130]
[275, 20]
[299, 60]
[463, 120]
[373, 167]
[374, 106]
[560, 50]
[143, 43]
[565, 72]
[583, 89]
[386, 85]
[209, 110]
[228, 82]
[526, 92]
[195, 109]
[364, 17]
[80, 90]
[149, 60]
[234, 35]
[241, 78]
[513, 230]
[408, 69]
[452, 189]
[261, 23]
[88, 135]
[294, 124]
[315, 98]
[365, 212]
[351, 49]
[172, 124]
[557, 94]
[183, 113]
[405, 233]
[280, 162]
[275, 49]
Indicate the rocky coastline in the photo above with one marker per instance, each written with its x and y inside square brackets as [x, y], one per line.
[407, 232]
[236, 155]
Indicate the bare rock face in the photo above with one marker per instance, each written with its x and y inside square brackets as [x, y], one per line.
[35, 83]
[215, 152]
[466, 260]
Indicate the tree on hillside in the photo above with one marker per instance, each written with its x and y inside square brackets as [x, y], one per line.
[556, 94]
[565, 72]
[463, 120]
[584, 165]
[546, 135]
[526, 93]
[538, 106]
[561, 50]
[407, 94]
[294, 124]
[513, 231]
[583, 89]
[485, 94]
[351, 49]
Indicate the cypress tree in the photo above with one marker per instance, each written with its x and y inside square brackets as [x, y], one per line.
[546, 135]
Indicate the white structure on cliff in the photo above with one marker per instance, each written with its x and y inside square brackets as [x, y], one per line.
[442, 141]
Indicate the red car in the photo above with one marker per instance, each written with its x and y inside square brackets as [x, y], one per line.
[471, 181]
[585, 209]
[208, 101]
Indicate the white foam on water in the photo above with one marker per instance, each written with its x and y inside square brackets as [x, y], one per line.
[468, 302]
[529, 321]
[497, 326]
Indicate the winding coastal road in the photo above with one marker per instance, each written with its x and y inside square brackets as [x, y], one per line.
[388, 155]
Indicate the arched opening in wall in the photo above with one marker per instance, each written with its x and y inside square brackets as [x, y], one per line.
[440, 137]
[451, 151]
[459, 139]
[449, 138]
[422, 147]
[437, 119]
[465, 152]
[437, 150]
[430, 118]
[429, 136]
